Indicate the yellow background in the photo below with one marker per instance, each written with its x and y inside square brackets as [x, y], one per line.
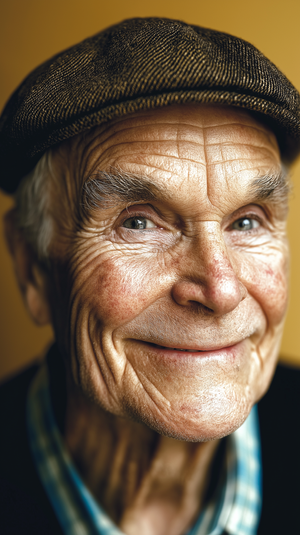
[33, 30]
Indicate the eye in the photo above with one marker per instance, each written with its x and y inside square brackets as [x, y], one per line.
[138, 223]
[245, 223]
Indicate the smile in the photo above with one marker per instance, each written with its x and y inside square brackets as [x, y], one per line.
[194, 350]
[179, 349]
[166, 356]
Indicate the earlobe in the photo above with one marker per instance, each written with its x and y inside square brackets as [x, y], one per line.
[32, 280]
[36, 297]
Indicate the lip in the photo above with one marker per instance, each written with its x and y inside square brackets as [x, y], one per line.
[184, 352]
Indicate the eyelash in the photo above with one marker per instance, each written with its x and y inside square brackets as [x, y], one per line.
[146, 216]
[142, 214]
[135, 214]
[248, 216]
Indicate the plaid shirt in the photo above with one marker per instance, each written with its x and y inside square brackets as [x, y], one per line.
[234, 510]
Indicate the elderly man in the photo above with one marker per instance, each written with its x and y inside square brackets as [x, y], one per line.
[150, 169]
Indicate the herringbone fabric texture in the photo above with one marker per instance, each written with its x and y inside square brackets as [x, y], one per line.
[135, 65]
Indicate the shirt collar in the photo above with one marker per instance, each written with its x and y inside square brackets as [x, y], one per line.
[235, 508]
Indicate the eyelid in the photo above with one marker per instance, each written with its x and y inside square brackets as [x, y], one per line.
[230, 228]
[248, 212]
[133, 215]
[149, 212]
[258, 221]
[150, 225]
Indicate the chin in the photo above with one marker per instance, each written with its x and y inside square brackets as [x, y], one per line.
[210, 420]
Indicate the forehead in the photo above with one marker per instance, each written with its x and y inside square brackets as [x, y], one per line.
[180, 145]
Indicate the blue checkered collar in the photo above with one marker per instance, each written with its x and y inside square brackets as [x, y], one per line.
[235, 509]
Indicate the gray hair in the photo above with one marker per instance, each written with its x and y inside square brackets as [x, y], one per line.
[32, 205]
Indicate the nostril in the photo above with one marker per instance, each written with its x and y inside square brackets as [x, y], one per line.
[200, 307]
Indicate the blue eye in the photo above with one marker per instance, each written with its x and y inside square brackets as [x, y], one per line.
[245, 223]
[138, 223]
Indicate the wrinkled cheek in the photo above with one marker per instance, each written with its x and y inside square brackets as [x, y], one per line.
[268, 284]
[120, 294]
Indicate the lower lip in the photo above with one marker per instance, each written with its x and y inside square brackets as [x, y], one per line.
[164, 352]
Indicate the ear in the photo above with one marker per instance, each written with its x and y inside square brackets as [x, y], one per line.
[32, 279]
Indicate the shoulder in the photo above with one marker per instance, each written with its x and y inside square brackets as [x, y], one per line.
[16, 386]
[279, 410]
[279, 415]
[26, 507]
[13, 395]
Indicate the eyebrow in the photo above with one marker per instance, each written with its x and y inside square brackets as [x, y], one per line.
[272, 187]
[108, 189]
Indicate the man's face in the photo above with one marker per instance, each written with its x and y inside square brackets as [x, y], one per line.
[170, 291]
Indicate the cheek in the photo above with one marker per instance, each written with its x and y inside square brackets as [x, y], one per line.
[120, 291]
[268, 284]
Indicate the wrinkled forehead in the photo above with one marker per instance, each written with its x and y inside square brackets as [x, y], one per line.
[199, 126]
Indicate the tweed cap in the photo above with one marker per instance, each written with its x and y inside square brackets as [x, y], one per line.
[139, 64]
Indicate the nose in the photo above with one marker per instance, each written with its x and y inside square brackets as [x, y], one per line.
[206, 275]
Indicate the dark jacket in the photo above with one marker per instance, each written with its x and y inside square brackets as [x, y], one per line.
[25, 508]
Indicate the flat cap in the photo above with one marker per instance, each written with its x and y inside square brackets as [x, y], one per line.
[139, 64]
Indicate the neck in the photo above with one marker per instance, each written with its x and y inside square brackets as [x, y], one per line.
[147, 483]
